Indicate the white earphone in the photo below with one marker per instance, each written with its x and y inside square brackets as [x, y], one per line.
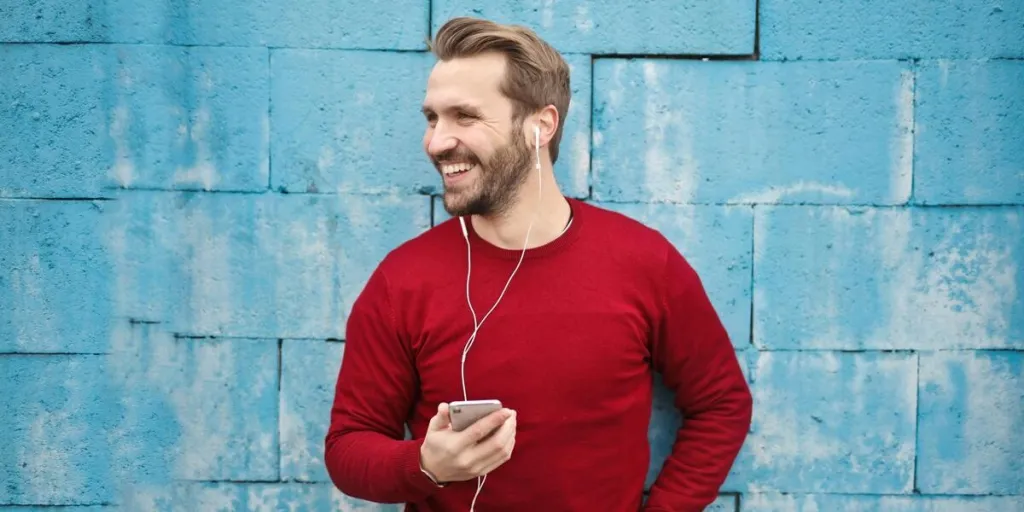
[476, 325]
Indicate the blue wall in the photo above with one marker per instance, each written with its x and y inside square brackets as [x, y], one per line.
[192, 194]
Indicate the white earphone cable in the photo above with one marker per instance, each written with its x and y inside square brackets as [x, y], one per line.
[477, 325]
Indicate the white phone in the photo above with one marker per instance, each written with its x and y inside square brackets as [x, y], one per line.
[465, 413]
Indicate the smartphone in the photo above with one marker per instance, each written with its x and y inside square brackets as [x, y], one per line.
[465, 413]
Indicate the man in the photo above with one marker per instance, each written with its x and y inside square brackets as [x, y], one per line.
[559, 309]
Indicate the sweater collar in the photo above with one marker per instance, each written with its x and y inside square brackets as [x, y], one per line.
[568, 236]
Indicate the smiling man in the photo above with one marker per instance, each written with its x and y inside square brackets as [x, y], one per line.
[559, 309]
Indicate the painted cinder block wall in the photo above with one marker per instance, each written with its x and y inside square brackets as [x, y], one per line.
[192, 194]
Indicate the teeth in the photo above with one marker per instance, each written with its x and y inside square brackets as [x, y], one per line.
[450, 169]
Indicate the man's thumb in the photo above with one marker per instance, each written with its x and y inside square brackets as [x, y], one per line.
[441, 420]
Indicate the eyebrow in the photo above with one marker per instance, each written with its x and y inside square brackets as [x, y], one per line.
[465, 107]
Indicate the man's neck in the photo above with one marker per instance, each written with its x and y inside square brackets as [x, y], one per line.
[508, 229]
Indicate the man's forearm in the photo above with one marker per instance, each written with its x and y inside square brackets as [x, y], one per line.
[706, 447]
[373, 467]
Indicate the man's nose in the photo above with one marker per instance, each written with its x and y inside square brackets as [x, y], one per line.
[441, 140]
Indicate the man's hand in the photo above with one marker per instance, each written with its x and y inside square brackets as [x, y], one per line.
[452, 456]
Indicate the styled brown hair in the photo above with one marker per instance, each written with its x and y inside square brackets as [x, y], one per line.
[536, 75]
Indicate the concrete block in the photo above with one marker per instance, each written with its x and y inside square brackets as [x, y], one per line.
[769, 502]
[572, 170]
[349, 122]
[877, 29]
[752, 132]
[969, 132]
[231, 497]
[289, 23]
[194, 409]
[249, 265]
[54, 135]
[830, 422]
[87, 118]
[56, 282]
[52, 21]
[309, 370]
[971, 416]
[718, 243]
[188, 118]
[843, 278]
[55, 415]
[606, 26]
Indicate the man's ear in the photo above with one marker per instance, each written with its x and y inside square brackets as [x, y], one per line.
[547, 120]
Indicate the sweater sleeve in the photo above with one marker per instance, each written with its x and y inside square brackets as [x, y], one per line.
[366, 455]
[693, 353]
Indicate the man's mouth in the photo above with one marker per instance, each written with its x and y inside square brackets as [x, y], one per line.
[455, 169]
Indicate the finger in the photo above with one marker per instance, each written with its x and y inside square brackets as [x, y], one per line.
[441, 420]
[496, 443]
[498, 459]
[484, 426]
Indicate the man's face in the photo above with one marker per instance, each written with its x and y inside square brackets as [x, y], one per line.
[479, 151]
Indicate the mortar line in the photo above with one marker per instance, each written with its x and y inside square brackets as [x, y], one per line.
[917, 423]
[270, 111]
[430, 19]
[433, 223]
[280, 398]
[753, 258]
[46, 354]
[590, 145]
[61, 199]
[757, 33]
[913, 131]
[678, 56]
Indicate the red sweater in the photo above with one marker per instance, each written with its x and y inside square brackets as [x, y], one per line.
[571, 347]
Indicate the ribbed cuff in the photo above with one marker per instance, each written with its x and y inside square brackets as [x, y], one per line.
[409, 463]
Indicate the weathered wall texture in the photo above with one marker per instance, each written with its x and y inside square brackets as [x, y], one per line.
[192, 194]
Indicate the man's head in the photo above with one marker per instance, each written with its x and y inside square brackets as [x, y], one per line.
[491, 86]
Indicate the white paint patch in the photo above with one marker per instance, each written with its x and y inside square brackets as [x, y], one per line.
[203, 170]
[547, 14]
[944, 65]
[902, 150]
[210, 269]
[581, 161]
[617, 91]
[961, 297]
[123, 171]
[775, 195]
[212, 498]
[364, 98]
[762, 223]
[302, 447]
[309, 248]
[993, 407]
[668, 177]
[42, 456]
[32, 315]
[785, 440]
[325, 160]
[582, 19]
[265, 149]
[205, 431]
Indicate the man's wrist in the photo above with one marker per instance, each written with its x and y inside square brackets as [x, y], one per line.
[429, 474]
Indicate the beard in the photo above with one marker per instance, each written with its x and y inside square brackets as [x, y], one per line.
[497, 183]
